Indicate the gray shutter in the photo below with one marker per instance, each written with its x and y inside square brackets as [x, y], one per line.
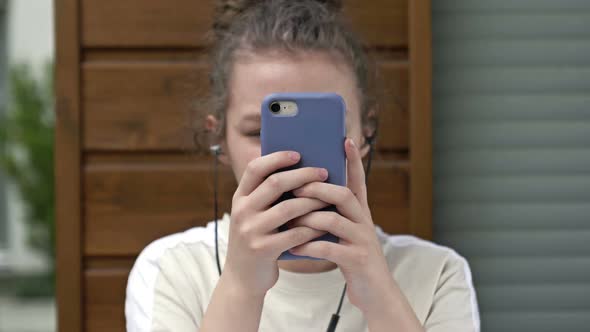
[512, 156]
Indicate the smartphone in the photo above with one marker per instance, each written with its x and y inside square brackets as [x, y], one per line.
[313, 124]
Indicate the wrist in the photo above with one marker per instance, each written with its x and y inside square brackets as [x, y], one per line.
[384, 298]
[393, 311]
[234, 286]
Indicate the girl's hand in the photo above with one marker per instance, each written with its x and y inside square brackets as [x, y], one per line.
[358, 253]
[254, 240]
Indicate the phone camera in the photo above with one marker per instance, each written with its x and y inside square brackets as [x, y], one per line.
[275, 107]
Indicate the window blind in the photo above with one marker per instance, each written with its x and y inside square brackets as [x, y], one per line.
[511, 121]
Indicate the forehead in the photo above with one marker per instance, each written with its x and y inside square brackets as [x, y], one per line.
[256, 75]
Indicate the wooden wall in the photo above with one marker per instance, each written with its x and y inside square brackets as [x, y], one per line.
[124, 74]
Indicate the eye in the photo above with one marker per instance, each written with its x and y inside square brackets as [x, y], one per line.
[254, 133]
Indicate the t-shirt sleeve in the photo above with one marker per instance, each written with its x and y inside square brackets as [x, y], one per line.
[158, 296]
[454, 307]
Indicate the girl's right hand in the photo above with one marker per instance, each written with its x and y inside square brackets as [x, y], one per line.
[254, 240]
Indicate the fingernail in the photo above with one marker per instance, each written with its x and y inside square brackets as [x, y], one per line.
[323, 173]
[352, 143]
[294, 155]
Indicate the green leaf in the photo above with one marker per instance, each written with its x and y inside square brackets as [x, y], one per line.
[26, 151]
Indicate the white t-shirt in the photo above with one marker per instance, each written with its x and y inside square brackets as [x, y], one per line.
[173, 278]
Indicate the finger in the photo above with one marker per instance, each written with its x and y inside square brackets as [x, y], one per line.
[288, 210]
[340, 254]
[342, 197]
[328, 221]
[356, 172]
[278, 183]
[290, 238]
[259, 168]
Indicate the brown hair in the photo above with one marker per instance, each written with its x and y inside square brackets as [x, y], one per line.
[290, 25]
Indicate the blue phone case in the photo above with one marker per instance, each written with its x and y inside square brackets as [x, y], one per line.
[317, 132]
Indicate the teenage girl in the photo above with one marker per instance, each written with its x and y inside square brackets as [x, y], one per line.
[391, 282]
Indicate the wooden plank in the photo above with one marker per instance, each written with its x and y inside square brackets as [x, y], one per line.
[140, 106]
[379, 23]
[387, 191]
[67, 167]
[134, 200]
[393, 117]
[185, 23]
[145, 105]
[142, 54]
[106, 262]
[104, 300]
[140, 23]
[421, 119]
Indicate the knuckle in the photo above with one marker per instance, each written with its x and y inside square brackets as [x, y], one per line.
[310, 186]
[333, 220]
[256, 246]
[274, 181]
[324, 250]
[245, 231]
[300, 235]
[346, 194]
[333, 223]
[253, 168]
[283, 208]
[238, 210]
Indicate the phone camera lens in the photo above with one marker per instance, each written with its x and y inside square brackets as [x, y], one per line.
[275, 107]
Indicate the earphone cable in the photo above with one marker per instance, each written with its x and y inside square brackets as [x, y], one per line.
[216, 152]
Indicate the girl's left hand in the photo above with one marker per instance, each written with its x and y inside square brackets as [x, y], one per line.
[358, 254]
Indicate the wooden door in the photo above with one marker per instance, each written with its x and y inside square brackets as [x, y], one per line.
[124, 74]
